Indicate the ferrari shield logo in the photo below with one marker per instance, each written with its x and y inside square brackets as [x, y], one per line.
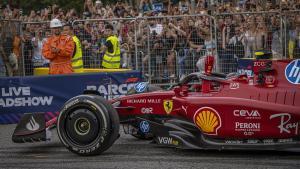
[168, 106]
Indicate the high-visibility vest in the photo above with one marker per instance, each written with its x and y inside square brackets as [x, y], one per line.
[77, 62]
[112, 60]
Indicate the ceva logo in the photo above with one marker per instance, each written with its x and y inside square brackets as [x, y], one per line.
[292, 72]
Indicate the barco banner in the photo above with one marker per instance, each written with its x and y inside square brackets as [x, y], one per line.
[19, 95]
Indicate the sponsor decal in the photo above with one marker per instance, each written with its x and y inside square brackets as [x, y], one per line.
[112, 90]
[153, 101]
[285, 126]
[208, 120]
[259, 63]
[287, 140]
[249, 73]
[248, 133]
[247, 114]
[71, 104]
[292, 72]
[270, 80]
[144, 127]
[234, 141]
[132, 80]
[247, 127]
[141, 87]
[168, 106]
[32, 125]
[148, 110]
[20, 97]
[84, 151]
[167, 141]
[234, 86]
[268, 141]
[259, 141]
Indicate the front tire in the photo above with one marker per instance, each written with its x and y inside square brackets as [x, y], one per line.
[88, 125]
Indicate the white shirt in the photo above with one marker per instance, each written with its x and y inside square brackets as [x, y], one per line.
[38, 59]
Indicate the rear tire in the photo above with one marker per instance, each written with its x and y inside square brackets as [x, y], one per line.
[88, 125]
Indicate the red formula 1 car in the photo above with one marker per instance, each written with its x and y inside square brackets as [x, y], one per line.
[203, 111]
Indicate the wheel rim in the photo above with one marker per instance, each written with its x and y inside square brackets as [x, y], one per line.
[82, 126]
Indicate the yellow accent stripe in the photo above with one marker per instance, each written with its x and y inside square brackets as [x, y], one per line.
[117, 55]
[111, 62]
[76, 59]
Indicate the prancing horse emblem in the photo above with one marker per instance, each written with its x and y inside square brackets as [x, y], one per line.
[168, 106]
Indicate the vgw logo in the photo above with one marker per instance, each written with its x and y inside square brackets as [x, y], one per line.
[292, 72]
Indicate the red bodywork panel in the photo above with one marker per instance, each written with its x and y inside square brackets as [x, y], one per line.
[264, 106]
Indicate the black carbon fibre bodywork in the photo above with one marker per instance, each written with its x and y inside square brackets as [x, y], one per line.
[185, 135]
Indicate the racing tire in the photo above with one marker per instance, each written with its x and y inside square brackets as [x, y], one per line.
[88, 125]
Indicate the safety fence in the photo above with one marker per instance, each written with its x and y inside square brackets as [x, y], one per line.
[166, 48]
[11, 63]
[240, 35]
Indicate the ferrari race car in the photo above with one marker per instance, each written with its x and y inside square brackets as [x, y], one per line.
[203, 111]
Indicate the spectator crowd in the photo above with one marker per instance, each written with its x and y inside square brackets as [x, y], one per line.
[169, 37]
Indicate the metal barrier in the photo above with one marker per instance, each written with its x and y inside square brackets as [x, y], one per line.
[292, 33]
[240, 35]
[163, 48]
[34, 35]
[91, 34]
[166, 48]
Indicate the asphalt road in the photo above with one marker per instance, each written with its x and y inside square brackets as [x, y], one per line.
[131, 153]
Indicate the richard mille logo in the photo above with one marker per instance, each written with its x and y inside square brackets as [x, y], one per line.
[32, 125]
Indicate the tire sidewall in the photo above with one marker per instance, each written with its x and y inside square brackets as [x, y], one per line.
[102, 110]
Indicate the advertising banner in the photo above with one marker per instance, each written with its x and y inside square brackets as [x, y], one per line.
[245, 66]
[19, 95]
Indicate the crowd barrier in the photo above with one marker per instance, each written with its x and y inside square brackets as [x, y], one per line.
[29, 94]
[166, 48]
[43, 71]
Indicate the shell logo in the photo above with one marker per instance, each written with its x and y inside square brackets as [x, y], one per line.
[207, 120]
